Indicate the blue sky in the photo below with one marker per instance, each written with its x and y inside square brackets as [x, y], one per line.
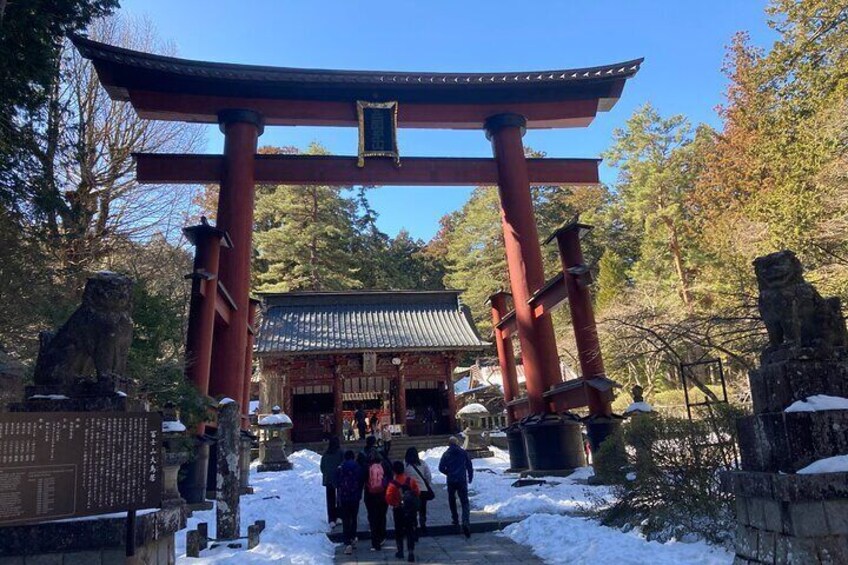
[683, 42]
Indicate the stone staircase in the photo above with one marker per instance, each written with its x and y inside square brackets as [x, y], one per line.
[399, 444]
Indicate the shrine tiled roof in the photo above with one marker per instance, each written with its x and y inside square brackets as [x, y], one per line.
[335, 322]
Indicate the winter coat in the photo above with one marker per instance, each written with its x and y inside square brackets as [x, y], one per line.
[420, 477]
[393, 493]
[329, 463]
[455, 464]
[349, 481]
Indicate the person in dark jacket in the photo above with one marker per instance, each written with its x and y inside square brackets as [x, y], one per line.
[349, 481]
[429, 420]
[456, 466]
[371, 448]
[330, 461]
[359, 416]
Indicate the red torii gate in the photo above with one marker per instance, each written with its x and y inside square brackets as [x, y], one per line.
[242, 99]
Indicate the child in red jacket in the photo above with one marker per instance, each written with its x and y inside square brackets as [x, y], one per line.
[402, 495]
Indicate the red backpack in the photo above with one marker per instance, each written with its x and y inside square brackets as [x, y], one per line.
[376, 478]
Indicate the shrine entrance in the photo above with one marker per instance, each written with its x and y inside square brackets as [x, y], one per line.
[244, 99]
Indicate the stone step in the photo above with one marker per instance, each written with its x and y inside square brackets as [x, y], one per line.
[399, 444]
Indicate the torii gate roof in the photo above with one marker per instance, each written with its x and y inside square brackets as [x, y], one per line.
[170, 88]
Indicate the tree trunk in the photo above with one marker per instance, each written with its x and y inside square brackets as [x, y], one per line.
[677, 254]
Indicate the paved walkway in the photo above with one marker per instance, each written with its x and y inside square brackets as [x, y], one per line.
[484, 546]
[489, 549]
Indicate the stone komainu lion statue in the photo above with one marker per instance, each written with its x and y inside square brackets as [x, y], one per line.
[96, 338]
[795, 314]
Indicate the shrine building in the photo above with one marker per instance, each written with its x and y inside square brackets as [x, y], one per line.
[322, 355]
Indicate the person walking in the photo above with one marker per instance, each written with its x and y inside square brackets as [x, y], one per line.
[349, 480]
[359, 416]
[374, 422]
[429, 420]
[402, 495]
[420, 472]
[347, 430]
[330, 461]
[387, 440]
[456, 466]
[370, 446]
[377, 479]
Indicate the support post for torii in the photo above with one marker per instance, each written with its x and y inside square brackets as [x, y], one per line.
[553, 444]
[241, 130]
[208, 241]
[509, 376]
[506, 354]
[601, 421]
[253, 305]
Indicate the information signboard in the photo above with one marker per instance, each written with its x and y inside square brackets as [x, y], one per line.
[65, 464]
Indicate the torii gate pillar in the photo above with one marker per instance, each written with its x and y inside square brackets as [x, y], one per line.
[241, 129]
[524, 258]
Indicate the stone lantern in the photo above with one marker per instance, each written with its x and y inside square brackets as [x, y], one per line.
[174, 454]
[272, 446]
[638, 406]
[476, 439]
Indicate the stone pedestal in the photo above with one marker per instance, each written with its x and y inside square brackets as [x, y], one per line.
[272, 455]
[517, 449]
[554, 444]
[476, 443]
[791, 518]
[94, 539]
[227, 496]
[785, 517]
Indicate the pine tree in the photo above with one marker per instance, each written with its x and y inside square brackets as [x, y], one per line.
[655, 182]
[612, 279]
[305, 237]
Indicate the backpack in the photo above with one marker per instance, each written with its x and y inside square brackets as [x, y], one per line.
[409, 502]
[376, 474]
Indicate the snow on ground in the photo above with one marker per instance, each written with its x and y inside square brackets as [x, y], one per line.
[836, 464]
[577, 541]
[491, 489]
[818, 403]
[292, 505]
[551, 528]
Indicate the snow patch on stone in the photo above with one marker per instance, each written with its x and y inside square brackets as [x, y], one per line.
[818, 403]
[639, 407]
[836, 464]
[275, 420]
[472, 409]
[173, 427]
[49, 397]
[226, 400]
